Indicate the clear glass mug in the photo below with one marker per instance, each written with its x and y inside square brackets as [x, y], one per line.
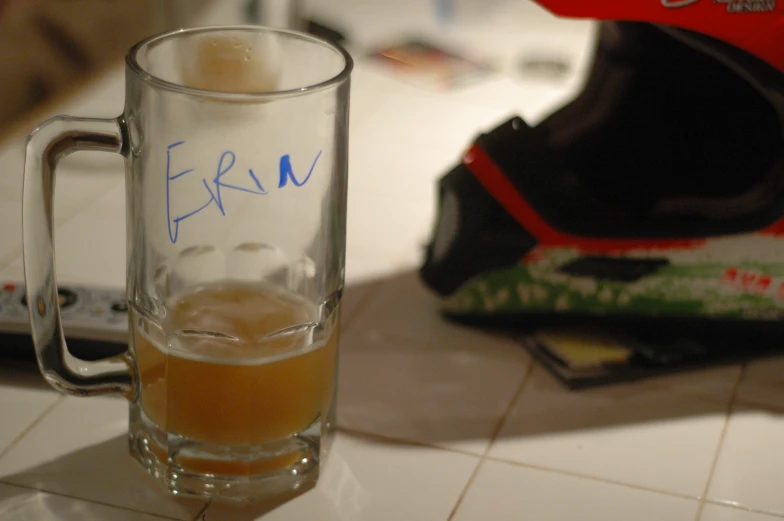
[235, 144]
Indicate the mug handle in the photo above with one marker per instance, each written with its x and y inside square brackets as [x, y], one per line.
[46, 145]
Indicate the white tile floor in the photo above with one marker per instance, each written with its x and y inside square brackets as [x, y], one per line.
[505, 492]
[363, 482]
[439, 422]
[634, 434]
[25, 504]
[79, 449]
[426, 391]
[719, 513]
[750, 450]
[21, 404]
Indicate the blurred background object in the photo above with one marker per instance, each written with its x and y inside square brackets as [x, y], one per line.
[277, 13]
[50, 48]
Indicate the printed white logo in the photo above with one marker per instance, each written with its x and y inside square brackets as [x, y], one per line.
[733, 6]
[674, 4]
[748, 6]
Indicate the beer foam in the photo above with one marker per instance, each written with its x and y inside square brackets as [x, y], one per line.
[239, 324]
[226, 352]
[232, 64]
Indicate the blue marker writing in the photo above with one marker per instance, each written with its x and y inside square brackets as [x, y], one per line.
[174, 233]
[286, 172]
[226, 162]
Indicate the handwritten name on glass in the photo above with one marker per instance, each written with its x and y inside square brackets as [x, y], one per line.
[213, 187]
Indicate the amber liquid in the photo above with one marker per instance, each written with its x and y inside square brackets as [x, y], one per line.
[262, 378]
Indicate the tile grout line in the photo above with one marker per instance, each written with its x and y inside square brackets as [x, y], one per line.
[463, 493]
[512, 404]
[391, 439]
[501, 422]
[76, 498]
[735, 506]
[30, 427]
[483, 457]
[722, 436]
[202, 512]
[402, 441]
[588, 477]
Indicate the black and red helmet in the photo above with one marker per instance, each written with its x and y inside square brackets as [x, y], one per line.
[671, 155]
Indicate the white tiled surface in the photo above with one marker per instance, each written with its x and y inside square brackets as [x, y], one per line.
[751, 449]
[720, 513]
[505, 492]
[80, 449]
[426, 391]
[22, 401]
[423, 403]
[762, 386]
[637, 434]
[24, 504]
[366, 479]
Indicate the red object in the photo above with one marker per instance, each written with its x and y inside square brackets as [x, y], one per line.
[495, 182]
[747, 279]
[776, 229]
[756, 26]
[9, 287]
[763, 283]
[731, 275]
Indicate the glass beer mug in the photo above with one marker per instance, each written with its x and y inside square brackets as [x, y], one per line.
[235, 144]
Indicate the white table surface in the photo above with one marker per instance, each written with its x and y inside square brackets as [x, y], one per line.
[437, 422]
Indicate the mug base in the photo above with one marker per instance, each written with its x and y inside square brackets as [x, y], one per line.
[251, 474]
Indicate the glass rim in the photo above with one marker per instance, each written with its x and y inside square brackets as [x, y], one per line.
[156, 81]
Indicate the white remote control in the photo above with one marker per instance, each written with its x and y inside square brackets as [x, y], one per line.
[95, 321]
